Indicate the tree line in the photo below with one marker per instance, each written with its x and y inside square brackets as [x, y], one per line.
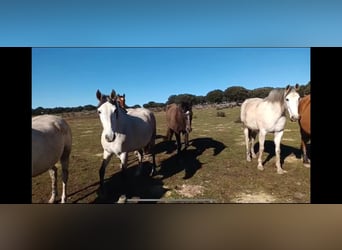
[231, 94]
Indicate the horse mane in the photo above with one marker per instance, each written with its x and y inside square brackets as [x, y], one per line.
[275, 95]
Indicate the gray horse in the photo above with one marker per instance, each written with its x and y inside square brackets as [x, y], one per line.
[51, 142]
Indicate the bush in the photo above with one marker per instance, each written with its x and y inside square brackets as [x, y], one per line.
[221, 114]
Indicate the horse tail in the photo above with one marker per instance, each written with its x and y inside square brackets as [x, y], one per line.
[66, 130]
[154, 129]
[149, 147]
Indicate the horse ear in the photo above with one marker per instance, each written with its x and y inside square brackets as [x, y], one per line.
[113, 94]
[297, 87]
[123, 95]
[98, 95]
[287, 87]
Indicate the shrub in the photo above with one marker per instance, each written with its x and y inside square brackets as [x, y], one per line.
[221, 114]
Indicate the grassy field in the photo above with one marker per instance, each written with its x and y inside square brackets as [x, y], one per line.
[212, 169]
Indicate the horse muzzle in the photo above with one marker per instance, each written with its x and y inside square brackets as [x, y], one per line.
[294, 118]
[110, 138]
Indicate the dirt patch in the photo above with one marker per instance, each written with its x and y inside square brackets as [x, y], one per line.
[291, 159]
[189, 191]
[260, 197]
[288, 139]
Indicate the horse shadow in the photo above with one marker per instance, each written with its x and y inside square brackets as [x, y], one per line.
[165, 145]
[187, 159]
[285, 151]
[132, 186]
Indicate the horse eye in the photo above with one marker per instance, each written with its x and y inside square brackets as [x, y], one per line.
[99, 112]
[287, 99]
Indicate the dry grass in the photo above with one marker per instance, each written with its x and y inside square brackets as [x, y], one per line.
[213, 166]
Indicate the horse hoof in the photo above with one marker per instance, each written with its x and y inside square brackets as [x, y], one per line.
[307, 165]
[122, 199]
[261, 168]
[52, 200]
[254, 156]
[249, 158]
[281, 171]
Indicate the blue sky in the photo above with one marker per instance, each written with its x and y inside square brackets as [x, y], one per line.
[135, 23]
[69, 77]
[241, 23]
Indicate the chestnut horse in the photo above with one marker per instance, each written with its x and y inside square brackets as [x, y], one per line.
[178, 120]
[122, 101]
[304, 124]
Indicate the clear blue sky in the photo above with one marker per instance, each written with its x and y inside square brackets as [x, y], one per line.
[176, 23]
[171, 23]
[69, 77]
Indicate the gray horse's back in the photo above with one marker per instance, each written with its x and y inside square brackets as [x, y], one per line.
[248, 112]
[148, 117]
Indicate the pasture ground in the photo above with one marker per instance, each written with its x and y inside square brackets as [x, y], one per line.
[213, 169]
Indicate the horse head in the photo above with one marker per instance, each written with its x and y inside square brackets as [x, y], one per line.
[122, 100]
[187, 110]
[292, 97]
[104, 98]
[107, 107]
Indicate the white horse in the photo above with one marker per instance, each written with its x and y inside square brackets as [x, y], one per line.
[124, 132]
[51, 142]
[268, 116]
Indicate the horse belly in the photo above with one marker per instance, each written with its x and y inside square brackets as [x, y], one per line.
[278, 126]
[248, 115]
[45, 153]
[305, 123]
[139, 141]
[251, 122]
[127, 142]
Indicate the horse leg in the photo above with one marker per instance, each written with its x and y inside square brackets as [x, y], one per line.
[153, 170]
[169, 134]
[139, 153]
[246, 133]
[106, 158]
[277, 139]
[186, 139]
[65, 173]
[304, 141]
[262, 135]
[252, 135]
[123, 159]
[54, 192]
[152, 153]
[179, 145]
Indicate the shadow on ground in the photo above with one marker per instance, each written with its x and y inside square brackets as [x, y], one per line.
[130, 185]
[285, 151]
[187, 159]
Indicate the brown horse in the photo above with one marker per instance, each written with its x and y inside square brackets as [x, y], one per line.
[121, 99]
[178, 120]
[304, 124]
